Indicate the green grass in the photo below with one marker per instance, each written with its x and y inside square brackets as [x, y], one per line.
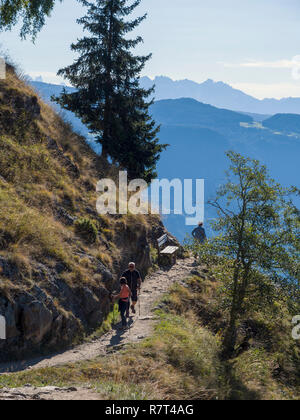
[180, 360]
[87, 229]
[112, 319]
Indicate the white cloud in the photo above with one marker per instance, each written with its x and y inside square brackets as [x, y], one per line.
[273, 90]
[280, 64]
[277, 64]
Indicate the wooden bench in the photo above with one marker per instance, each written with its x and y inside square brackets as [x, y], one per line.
[166, 250]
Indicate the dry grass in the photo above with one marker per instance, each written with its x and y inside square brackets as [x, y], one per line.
[28, 230]
[34, 181]
[181, 360]
[176, 363]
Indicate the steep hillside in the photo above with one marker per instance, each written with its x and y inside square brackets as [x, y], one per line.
[46, 91]
[59, 260]
[284, 123]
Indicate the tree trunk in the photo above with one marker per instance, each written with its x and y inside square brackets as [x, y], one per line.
[236, 309]
[230, 335]
[108, 91]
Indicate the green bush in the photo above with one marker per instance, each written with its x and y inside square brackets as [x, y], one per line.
[154, 255]
[87, 229]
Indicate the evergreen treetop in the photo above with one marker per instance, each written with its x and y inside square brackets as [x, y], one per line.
[109, 99]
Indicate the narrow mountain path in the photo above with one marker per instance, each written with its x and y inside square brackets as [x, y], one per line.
[141, 324]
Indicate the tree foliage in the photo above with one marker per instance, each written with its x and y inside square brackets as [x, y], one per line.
[109, 99]
[257, 238]
[31, 13]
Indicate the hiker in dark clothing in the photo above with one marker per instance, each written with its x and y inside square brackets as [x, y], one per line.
[199, 233]
[199, 236]
[124, 300]
[134, 282]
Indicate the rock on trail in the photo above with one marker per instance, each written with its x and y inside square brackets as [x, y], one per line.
[48, 393]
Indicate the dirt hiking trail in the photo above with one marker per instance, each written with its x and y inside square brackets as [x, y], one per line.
[141, 327]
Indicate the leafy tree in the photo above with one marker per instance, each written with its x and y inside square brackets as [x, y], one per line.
[258, 240]
[31, 12]
[109, 99]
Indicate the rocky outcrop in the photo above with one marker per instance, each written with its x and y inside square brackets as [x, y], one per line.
[37, 320]
[52, 313]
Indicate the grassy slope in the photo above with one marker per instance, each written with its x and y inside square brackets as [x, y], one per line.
[44, 169]
[34, 182]
[181, 359]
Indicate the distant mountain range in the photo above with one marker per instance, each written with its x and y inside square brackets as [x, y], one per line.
[217, 94]
[221, 95]
[199, 135]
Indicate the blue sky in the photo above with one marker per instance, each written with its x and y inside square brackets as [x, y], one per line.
[251, 44]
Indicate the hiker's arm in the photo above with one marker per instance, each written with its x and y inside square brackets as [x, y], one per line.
[193, 233]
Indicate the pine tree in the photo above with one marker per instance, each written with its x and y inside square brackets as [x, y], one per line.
[109, 99]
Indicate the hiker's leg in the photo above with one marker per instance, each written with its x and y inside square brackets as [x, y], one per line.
[133, 304]
[123, 308]
[134, 300]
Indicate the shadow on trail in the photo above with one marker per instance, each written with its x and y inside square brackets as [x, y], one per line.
[115, 339]
[119, 336]
[21, 365]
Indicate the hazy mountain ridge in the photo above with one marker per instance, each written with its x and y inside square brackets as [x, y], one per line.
[217, 94]
[221, 95]
[189, 111]
[286, 123]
